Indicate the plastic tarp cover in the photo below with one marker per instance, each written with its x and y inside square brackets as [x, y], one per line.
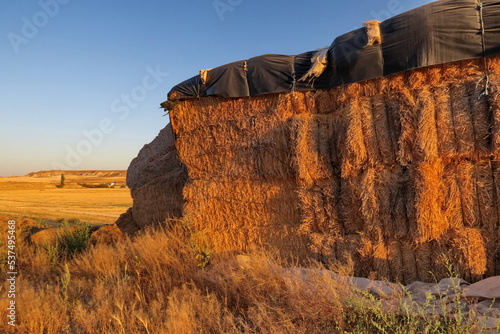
[187, 89]
[302, 65]
[354, 60]
[491, 16]
[437, 33]
[440, 32]
[270, 74]
[229, 80]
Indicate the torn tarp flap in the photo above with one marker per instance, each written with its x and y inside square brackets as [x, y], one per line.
[190, 88]
[440, 32]
[354, 60]
[270, 74]
[229, 80]
[302, 64]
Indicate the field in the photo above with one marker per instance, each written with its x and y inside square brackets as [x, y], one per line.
[37, 196]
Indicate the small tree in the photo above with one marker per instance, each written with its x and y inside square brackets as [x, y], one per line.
[62, 181]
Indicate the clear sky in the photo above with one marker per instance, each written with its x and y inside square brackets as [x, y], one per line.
[82, 80]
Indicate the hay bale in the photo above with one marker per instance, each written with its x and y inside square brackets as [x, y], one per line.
[395, 173]
[156, 178]
[236, 215]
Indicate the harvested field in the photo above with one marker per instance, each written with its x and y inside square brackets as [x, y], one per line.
[37, 196]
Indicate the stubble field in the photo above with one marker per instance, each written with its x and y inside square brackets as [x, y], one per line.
[95, 197]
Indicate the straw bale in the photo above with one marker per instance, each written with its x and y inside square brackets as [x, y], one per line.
[384, 252]
[485, 207]
[328, 101]
[462, 193]
[427, 128]
[424, 259]
[312, 152]
[254, 146]
[462, 120]
[404, 104]
[481, 118]
[381, 192]
[385, 127]
[493, 103]
[320, 217]
[356, 152]
[347, 251]
[395, 261]
[409, 272]
[236, 214]
[446, 133]
[350, 205]
[369, 129]
[455, 202]
[431, 218]
[156, 178]
[395, 173]
[394, 191]
[376, 254]
[470, 252]
[166, 190]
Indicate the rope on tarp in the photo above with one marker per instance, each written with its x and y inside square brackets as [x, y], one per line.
[294, 81]
[486, 79]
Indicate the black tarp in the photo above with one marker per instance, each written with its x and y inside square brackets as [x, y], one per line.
[491, 15]
[187, 89]
[229, 80]
[354, 60]
[439, 32]
[270, 73]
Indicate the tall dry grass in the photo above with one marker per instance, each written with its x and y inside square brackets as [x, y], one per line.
[162, 282]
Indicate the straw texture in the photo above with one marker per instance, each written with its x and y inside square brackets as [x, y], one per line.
[398, 174]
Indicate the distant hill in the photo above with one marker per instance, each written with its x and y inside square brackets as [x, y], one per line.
[95, 173]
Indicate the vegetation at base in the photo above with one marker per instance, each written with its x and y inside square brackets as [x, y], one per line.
[162, 282]
[75, 239]
[100, 185]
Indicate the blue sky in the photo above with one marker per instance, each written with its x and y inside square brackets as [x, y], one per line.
[82, 80]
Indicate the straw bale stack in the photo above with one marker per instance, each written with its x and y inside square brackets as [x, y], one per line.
[400, 174]
[156, 178]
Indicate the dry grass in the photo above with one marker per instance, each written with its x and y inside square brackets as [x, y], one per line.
[38, 197]
[158, 283]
